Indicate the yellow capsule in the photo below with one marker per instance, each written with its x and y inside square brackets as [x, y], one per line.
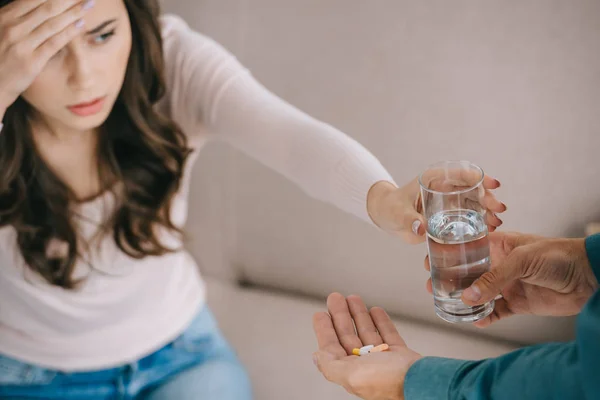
[356, 352]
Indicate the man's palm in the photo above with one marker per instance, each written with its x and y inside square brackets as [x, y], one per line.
[376, 376]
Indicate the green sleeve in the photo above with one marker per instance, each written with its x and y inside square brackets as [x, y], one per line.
[548, 371]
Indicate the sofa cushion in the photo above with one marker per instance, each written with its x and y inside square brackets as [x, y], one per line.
[424, 89]
[272, 333]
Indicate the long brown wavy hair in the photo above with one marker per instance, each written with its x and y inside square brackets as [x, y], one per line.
[138, 147]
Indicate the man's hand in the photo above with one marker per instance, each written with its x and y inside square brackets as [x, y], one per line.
[376, 376]
[534, 275]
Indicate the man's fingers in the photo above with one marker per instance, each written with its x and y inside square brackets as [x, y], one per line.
[490, 284]
[326, 336]
[342, 322]
[386, 328]
[501, 311]
[367, 332]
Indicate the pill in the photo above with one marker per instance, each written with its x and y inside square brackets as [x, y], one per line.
[381, 347]
[363, 350]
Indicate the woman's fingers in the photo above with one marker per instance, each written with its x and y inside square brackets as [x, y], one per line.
[367, 332]
[493, 220]
[429, 286]
[17, 9]
[18, 30]
[490, 183]
[52, 46]
[490, 202]
[326, 337]
[457, 179]
[49, 11]
[342, 322]
[386, 327]
[50, 27]
[470, 177]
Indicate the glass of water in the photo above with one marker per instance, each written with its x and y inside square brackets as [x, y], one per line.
[457, 236]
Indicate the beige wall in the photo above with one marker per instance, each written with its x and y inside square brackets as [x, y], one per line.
[511, 85]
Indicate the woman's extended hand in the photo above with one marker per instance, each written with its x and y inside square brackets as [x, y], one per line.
[398, 210]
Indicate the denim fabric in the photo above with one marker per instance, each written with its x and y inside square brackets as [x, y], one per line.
[198, 365]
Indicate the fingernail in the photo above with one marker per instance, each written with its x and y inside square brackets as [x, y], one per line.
[504, 205]
[88, 4]
[79, 24]
[415, 227]
[472, 293]
[497, 182]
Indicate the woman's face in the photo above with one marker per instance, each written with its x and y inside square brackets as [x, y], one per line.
[79, 86]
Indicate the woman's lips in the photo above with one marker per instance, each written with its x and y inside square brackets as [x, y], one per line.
[87, 109]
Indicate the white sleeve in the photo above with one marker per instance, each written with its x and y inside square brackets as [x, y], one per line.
[213, 89]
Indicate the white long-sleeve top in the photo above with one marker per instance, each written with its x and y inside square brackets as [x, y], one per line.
[127, 308]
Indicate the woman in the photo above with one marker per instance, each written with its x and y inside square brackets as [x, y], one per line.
[105, 107]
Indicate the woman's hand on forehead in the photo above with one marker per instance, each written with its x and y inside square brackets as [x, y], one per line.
[31, 33]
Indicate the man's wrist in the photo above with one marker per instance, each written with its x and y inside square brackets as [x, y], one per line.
[403, 378]
[573, 249]
[431, 377]
[591, 246]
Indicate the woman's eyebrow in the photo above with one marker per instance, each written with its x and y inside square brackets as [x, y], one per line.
[100, 27]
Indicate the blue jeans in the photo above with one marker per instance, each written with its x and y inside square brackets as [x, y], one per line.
[198, 365]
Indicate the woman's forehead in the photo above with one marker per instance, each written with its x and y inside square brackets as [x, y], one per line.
[104, 10]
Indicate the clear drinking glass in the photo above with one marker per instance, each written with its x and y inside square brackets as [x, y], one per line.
[457, 236]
